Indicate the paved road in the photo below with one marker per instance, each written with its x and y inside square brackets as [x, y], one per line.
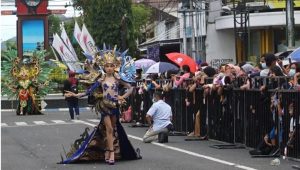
[35, 143]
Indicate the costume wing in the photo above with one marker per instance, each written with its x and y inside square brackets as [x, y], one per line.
[41, 73]
[9, 65]
[127, 70]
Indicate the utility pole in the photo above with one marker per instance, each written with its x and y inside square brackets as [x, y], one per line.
[184, 7]
[290, 23]
[192, 29]
[184, 33]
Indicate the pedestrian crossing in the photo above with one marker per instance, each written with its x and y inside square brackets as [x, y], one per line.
[21, 123]
[3, 124]
[48, 122]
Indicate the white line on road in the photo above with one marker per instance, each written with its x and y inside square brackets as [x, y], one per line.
[58, 121]
[77, 121]
[39, 122]
[51, 110]
[94, 120]
[4, 124]
[188, 152]
[21, 123]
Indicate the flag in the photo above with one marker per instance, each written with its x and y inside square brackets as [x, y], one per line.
[87, 41]
[65, 54]
[67, 41]
[77, 35]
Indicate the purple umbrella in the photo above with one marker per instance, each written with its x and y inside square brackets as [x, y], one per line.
[161, 67]
[143, 63]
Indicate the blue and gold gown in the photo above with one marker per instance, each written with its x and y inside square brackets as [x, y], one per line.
[92, 147]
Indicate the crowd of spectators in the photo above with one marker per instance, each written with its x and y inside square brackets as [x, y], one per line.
[241, 76]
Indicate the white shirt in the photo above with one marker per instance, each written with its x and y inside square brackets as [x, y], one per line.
[161, 114]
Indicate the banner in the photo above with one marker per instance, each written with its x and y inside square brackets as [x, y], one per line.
[77, 36]
[65, 54]
[67, 41]
[87, 41]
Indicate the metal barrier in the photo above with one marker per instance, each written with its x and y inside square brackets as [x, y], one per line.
[236, 116]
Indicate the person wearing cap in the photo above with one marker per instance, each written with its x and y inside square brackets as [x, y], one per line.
[158, 117]
[69, 91]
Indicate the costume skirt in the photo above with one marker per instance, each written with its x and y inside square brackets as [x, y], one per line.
[92, 147]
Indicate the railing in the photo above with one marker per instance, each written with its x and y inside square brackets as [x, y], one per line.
[236, 116]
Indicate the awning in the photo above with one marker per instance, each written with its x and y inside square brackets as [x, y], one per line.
[160, 42]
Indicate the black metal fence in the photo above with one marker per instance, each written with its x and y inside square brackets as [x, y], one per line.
[236, 116]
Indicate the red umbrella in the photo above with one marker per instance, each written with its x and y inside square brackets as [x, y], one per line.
[182, 59]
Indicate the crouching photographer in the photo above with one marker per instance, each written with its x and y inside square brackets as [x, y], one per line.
[159, 118]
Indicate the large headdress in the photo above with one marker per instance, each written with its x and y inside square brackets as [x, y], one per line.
[124, 63]
[106, 56]
[109, 57]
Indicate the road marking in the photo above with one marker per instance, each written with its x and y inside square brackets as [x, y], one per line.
[52, 110]
[39, 122]
[4, 124]
[42, 123]
[58, 121]
[21, 123]
[188, 152]
[93, 120]
[77, 121]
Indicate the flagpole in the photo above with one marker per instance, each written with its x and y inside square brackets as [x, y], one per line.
[54, 53]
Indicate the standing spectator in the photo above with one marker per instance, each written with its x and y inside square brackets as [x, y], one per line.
[264, 68]
[186, 75]
[270, 60]
[70, 90]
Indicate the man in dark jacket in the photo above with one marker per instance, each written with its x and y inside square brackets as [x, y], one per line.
[69, 91]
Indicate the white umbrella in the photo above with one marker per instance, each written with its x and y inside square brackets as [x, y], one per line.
[143, 63]
[161, 67]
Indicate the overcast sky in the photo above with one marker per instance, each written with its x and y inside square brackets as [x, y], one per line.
[8, 27]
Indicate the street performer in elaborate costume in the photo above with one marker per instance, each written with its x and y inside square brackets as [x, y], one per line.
[25, 79]
[108, 141]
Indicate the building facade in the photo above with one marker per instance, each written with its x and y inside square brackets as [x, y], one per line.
[266, 30]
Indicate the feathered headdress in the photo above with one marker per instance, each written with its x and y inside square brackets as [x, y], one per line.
[106, 56]
[124, 63]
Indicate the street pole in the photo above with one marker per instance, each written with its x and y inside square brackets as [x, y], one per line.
[242, 30]
[235, 31]
[245, 30]
[192, 29]
[184, 33]
[290, 23]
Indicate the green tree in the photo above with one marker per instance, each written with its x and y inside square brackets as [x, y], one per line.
[141, 16]
[54, 24]
[109, 21]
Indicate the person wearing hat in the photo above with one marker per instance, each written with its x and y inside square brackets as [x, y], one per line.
[70, 91]
[160, 113]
